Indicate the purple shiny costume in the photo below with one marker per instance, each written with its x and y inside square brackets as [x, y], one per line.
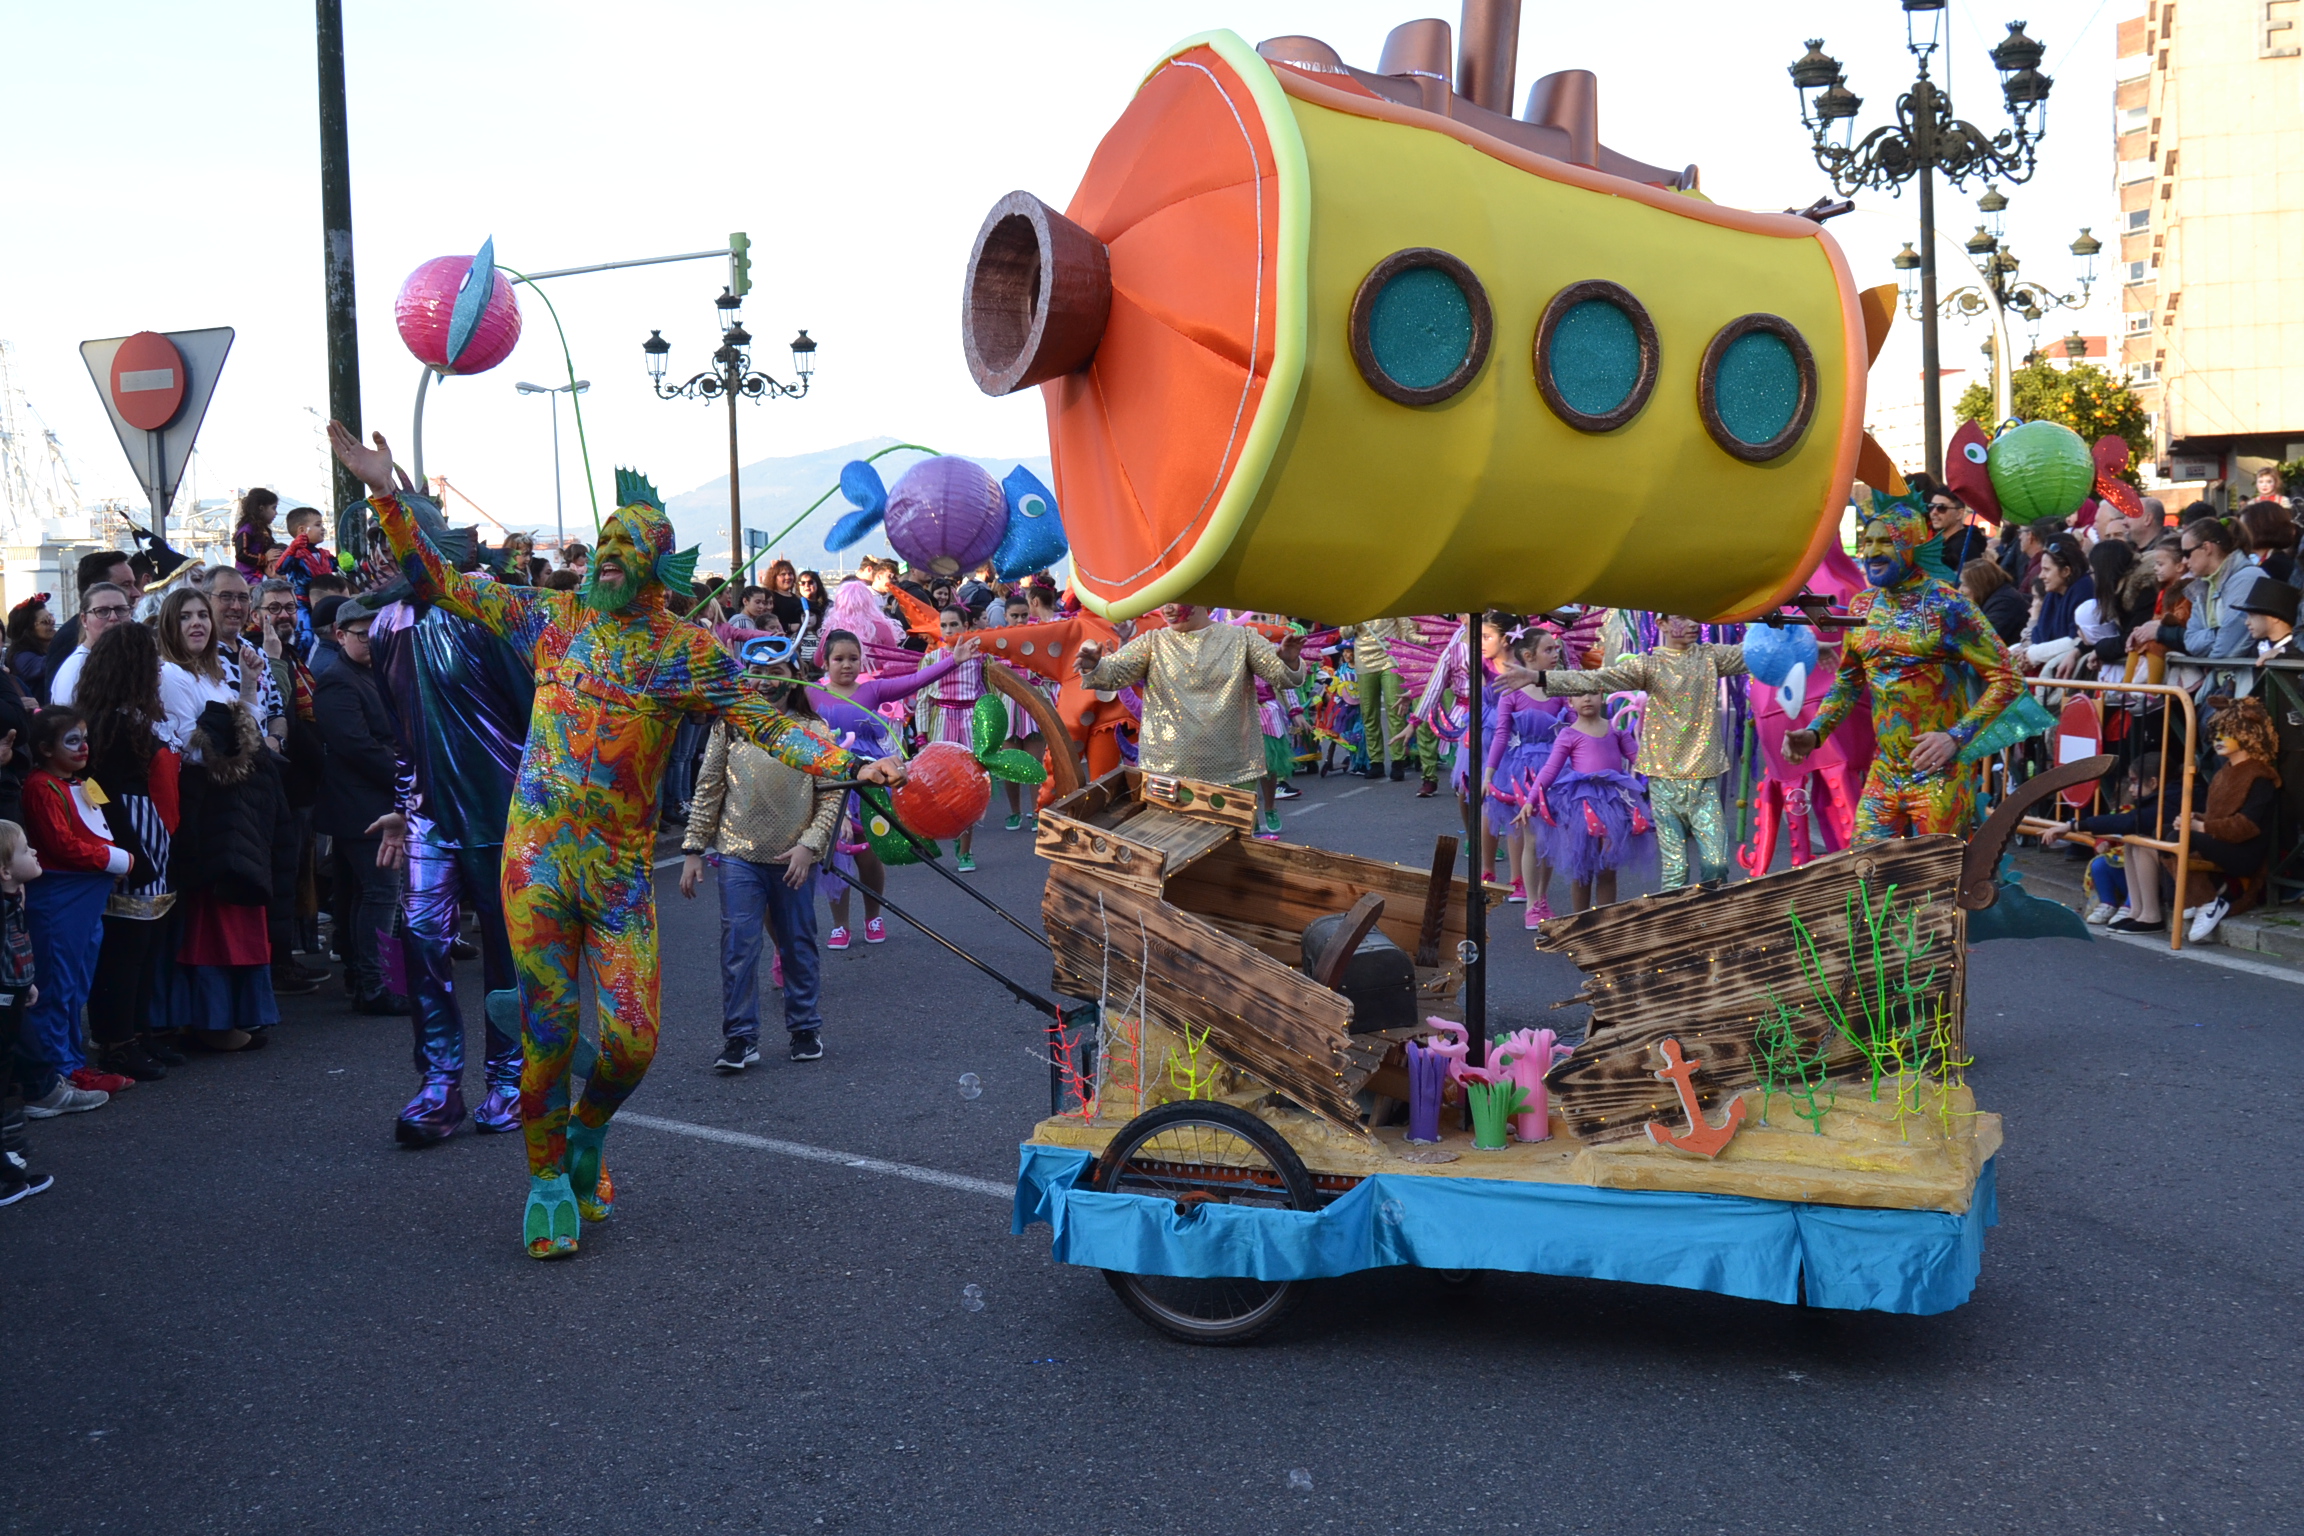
[459, 701]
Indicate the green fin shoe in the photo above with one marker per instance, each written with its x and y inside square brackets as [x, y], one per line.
[549, 1226]
[587, 1175]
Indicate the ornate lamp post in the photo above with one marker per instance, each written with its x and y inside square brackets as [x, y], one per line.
[1924, 140]
[1999, 290]
[731, 376]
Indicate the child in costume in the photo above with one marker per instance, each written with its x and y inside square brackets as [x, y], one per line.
[949, 713]
[1591, 817]
[304, 557]
[1452, 676]
[1685, 753]
[616, 670]
[850, 705]
[1517, 751]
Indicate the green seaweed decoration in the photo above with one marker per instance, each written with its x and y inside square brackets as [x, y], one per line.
[1493, 1106]
[1197, 1077]
[1889, 1017]
[1790, 1064]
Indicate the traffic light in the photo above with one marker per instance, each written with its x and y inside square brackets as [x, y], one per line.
[740, 263]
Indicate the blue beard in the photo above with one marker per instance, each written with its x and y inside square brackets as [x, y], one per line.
[1887, 573]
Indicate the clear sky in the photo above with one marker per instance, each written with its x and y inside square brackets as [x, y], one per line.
[164, 175]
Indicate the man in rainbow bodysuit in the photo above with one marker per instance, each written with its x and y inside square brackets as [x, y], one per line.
[1937, 675]
[615, 672]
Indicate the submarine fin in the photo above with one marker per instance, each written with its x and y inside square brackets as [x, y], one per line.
[1876, 469]
[1879, 305]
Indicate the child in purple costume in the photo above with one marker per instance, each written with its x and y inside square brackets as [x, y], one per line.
[1518, 748]
[1592, 815]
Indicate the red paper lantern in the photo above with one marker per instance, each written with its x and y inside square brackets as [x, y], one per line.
[427, 304]
[944, 792]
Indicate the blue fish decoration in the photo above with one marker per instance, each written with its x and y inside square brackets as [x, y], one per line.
[1035, 537]
[1782, 658]
[861, 484]
[472, 297]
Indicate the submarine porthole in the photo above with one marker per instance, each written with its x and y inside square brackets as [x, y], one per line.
[1756, 389]
[1595, 356]
[1421, 327]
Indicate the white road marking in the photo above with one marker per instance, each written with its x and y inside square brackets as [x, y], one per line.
[668, 863]
[1348, 794]
[806, 1153]
[2226, 959]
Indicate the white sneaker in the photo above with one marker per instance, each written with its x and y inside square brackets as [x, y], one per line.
[2205, 923]
[64, 1099]
[2098, 915]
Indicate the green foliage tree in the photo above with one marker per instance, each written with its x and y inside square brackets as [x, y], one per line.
[2084, 397]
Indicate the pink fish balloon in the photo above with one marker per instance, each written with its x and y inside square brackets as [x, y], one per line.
[426, 313]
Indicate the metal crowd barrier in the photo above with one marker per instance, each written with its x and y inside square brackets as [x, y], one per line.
[2181, 847]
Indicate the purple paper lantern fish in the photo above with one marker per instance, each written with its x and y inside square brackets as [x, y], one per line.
[458, 314]
[946, 515]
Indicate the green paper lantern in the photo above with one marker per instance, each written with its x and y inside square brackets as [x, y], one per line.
[2040, 469]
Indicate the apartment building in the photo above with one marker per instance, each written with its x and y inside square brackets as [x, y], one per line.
[2209, 118]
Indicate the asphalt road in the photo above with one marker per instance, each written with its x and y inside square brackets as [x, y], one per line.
[243, 1308]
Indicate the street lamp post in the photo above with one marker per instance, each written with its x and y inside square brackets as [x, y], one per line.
[1925, 139]
[730, 375]
[1999, 290]
[559, 522]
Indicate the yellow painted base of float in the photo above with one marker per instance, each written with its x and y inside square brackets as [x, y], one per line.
[1867, 1155]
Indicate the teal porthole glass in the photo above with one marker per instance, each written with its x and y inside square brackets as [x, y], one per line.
[1756, 389]
[1421, 327]
[1595, 356]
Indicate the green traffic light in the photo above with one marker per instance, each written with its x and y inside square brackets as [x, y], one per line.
[740, 263]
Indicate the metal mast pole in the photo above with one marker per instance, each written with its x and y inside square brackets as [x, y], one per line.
[1931, 370]
[1476, 888]
[336, 225]
[731, 375]
[559, 520]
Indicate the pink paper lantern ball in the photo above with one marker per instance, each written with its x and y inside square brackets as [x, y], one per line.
[427, 305]
[947, 515]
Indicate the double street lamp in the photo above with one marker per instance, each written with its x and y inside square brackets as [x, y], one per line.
[559, 522]
[1926, 139]
[731, 376]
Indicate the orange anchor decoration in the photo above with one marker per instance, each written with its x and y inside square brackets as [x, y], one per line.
[1701, 1138]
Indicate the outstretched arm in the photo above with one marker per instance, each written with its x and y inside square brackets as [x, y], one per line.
[1847, 687]
[872, 692]
[707, 678]
[517, 614]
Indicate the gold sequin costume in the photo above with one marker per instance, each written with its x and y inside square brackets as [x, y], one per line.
[1681, 753]
[1199, 698]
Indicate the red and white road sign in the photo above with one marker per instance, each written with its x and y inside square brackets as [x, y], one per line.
[147, 384]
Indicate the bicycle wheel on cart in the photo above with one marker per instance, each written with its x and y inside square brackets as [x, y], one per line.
[1195, 1152]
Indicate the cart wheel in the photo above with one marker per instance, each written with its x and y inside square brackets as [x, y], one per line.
[1195, 1152]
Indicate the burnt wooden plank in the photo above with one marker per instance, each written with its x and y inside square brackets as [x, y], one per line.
[1708, 966]
[1180, 840]
[1261, 1016]
[1287, 885]
[1225, 803]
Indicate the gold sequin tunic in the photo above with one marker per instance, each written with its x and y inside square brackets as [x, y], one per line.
[1199, 698]
[1680, 727]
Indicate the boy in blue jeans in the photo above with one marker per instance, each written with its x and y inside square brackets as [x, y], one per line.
[18, 863]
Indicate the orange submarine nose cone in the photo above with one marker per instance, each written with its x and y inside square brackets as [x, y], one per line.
[1038, 293]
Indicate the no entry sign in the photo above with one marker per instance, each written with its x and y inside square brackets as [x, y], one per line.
[147, 385]
[156, 387]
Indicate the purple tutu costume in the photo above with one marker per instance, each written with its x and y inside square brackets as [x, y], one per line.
[1586, 781]
[1518, 748]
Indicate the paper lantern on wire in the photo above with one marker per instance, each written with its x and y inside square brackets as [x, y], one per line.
[2040, 469]
[944, 792]
[946, 515]
[457, 314]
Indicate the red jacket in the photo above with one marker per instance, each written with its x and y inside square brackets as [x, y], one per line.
[64, 841]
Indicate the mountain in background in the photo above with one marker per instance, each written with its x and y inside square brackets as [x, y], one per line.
[777, 490]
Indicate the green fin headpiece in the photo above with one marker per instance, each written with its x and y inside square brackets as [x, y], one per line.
[633, 487]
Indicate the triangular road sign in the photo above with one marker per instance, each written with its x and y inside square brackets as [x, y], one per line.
[158, 456]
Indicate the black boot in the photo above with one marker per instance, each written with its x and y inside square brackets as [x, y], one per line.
[1399, 770]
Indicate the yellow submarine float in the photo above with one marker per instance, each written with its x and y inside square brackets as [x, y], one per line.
[1325, 341]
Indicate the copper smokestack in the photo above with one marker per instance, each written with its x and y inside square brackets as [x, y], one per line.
[1489, 44]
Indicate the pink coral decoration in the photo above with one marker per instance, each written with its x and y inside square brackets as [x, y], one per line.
[946, 515]
[427, 304]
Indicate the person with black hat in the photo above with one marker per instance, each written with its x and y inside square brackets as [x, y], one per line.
[2270, 609]
[358, 789]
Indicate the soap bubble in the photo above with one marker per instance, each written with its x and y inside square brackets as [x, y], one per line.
[1392, 1213]
[1300, 1481]
[971, 1298]
[971, 1086]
